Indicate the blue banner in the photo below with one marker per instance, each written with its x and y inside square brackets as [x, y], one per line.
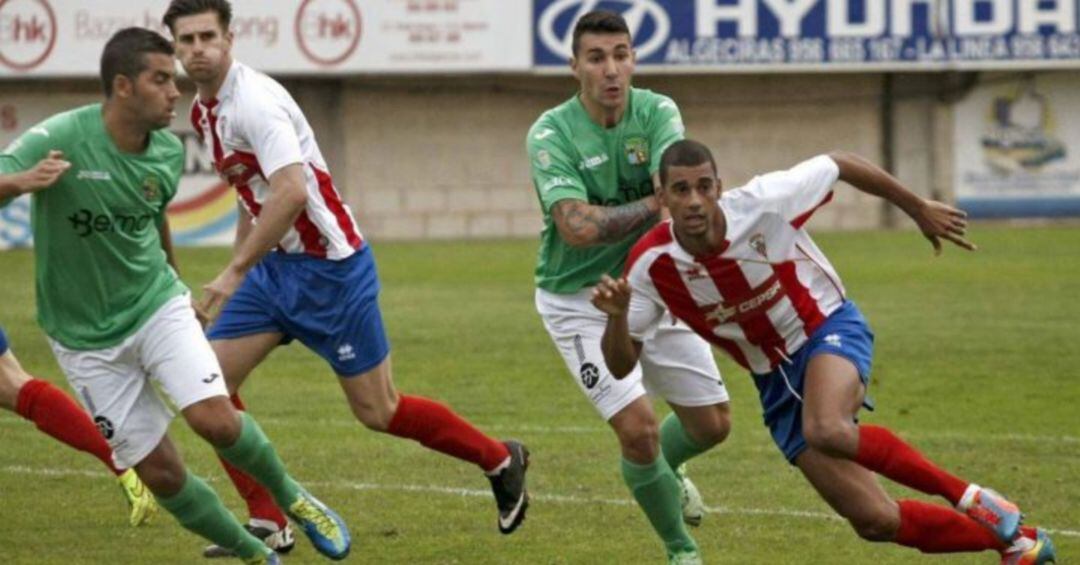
[793, 34]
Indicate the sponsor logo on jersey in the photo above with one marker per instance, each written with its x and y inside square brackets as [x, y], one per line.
[85, 222]
[834, 340]
[694, 273]
[556, 24]
[105, 426]
[637, 151]
[761, 299]
[86, 174]
[593, 162]
[555, 182]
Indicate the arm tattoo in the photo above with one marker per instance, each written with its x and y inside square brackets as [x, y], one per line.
[592, 225]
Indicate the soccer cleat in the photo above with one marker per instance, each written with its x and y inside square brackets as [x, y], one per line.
[693, 507]
[325, 529]
[280, 540]
[684, 558]
[1031, 547]
[992, 510]
[140, 501]
[271, 558]
[511, 497]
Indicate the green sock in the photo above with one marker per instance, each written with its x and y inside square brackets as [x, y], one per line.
[658, 493]
[253, 454]
[198, 508]
[677, 445]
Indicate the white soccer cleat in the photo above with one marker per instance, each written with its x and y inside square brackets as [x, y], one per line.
[693, 507]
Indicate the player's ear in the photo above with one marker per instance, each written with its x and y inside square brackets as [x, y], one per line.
[122, 86]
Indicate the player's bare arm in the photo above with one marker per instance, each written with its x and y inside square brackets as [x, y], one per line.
[287, 199]
[621, 352]
[582, 224]
[40, 177]
[244, 221]
[936, 220]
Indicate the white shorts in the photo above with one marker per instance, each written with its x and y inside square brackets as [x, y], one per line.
[676, 364]
[114, 383]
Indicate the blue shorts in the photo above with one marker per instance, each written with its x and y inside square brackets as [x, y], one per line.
[332, 307]
[3, 341]
[844, 333]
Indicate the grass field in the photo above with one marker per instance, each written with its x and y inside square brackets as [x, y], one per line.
[976, 364]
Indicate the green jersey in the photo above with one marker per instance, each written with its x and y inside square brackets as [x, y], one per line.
[573, 157]
[100, 269]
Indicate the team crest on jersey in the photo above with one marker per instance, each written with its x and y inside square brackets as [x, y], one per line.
[151, 189]
[637, 151]
[757, 243]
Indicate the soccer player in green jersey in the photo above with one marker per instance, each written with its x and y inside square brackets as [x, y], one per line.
[115, 310]
[594, 159]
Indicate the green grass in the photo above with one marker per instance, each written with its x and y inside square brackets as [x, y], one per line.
[976, 364]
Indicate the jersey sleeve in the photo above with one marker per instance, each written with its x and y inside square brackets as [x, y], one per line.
[665, 127]
[269, 130]
[795, 194]
[551, 166]
[646, 308]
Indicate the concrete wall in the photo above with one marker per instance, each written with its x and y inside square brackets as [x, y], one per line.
[443, 157]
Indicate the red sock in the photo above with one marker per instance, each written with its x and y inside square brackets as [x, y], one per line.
[57, 415]
[885, 454]
[437, 427]
[259, 501]
[937, 529]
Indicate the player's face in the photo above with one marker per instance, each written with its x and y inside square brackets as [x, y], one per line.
[603, 65]
[690, 195]
[202, 46]
[154, 93]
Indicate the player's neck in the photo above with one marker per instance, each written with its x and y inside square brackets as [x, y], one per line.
[209, 90]
[603, 116]
[125, 131]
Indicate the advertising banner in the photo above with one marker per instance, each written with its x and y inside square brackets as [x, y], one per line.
[800, 35]
[1018, 148]
[202, 213]
[293, 37]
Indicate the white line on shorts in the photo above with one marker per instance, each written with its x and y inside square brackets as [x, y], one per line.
[478, 493]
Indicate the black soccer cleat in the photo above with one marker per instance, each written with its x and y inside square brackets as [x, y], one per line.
[281, 541]
[509, 487]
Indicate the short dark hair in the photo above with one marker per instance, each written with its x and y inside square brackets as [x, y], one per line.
[180, 8]
[684, 153]
[599, 21]
[125, 54]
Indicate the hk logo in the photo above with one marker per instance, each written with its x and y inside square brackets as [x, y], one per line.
[27, 33]
[555, 26]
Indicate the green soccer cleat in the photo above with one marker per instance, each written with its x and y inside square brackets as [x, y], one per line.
[693, 507]
[140, 501]
[684, 558]
[325, 529]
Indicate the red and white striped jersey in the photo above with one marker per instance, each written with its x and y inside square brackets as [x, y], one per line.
[766, 291]
[254, 128]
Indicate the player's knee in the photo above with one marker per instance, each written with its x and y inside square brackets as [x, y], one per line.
[641, 445]
[877, 526]
[830, 435]
[215, 420]
[374, 413]
[718, 430]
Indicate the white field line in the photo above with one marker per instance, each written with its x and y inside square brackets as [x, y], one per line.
[502, 429]
[478, 493]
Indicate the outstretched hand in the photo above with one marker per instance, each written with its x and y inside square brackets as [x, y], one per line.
[612, 296]
[939, 221]
[216, 293]
[45, 173]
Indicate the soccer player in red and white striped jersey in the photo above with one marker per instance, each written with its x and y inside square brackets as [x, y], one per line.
[301, 269]
[741, 270]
